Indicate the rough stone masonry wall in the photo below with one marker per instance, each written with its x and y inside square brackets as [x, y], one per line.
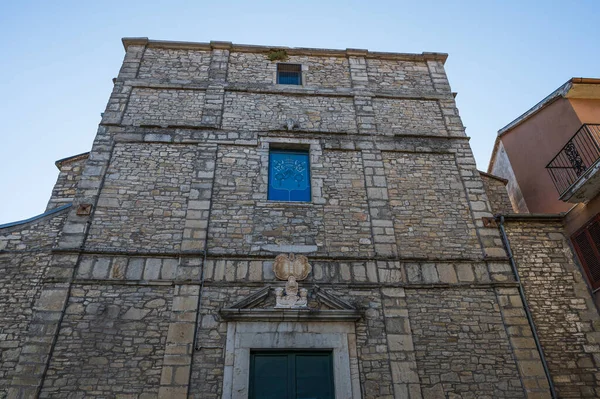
[175, 65]
[256, 68]
[497, 194]
[143, 202]
[161, 107]
[430, 211]
[66, 184]
[399, 75]
[24, 257]
[404, 117]
[270, 112]
[462, 348]
[111, 342]
[346, 210]
[563, 310]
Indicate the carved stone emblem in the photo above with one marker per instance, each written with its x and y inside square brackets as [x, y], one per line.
[291, 268]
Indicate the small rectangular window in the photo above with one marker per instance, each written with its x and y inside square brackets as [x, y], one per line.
[289, 74]
[587, 245]
[289, 175]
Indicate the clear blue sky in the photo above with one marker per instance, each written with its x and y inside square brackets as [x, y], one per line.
[58, 59]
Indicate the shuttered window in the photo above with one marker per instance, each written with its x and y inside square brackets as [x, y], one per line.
[587, 245]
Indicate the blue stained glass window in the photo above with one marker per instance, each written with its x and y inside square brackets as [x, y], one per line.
[289, 176]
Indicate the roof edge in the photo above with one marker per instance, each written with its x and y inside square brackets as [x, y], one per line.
[562, 91]
[493, 155]
[70, 159]
[144, 41]
[37, 217]
[549, 99]
[491, 176]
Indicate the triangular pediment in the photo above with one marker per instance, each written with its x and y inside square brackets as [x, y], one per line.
[322, 305]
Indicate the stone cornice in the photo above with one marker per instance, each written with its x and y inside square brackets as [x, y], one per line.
[246, 48]
[291, 91]
[491, 176]
[59, 164]
[289, 315]
[38, 218]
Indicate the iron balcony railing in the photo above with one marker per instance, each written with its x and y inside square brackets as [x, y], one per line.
[580, 152]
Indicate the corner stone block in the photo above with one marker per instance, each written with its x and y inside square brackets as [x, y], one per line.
[180, 333]
[465, 273]
[172, 392]
[400, 342]
[447, 274]
[403, 372]
[52, 300]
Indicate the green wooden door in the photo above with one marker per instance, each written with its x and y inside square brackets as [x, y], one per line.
[291, 375]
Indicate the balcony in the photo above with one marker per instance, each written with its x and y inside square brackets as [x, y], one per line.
[574, 170]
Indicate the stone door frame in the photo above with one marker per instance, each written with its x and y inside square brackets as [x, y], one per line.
[244, 336]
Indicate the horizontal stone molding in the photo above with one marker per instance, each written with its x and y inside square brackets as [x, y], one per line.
[265, 88]
[289, 315]
[260, 284]
[144, 41]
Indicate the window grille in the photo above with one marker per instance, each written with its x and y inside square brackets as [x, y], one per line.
[289, 74]
[289, 175]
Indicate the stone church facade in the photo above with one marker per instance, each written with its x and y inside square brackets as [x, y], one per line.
[244, 207]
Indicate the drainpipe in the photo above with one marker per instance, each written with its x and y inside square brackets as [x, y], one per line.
[513, 264]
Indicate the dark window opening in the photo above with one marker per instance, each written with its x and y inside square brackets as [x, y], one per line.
[289, 74]
[587, 245]
[291, 375]
[289, 175]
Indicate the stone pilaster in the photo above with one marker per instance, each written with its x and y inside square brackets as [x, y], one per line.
[438, 76]
[88, 190]
[120, 94]
[521, 339]
[358, 67]
[478, 201]
[196, 220]
[447, 104]
[365, 114]
[400, 344]
[363, 100]
[382, 225]
[33, 360]
[175, 376]
[217, 75]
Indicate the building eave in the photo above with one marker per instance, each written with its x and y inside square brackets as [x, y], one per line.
[247, 48]
[37, 217]
[494, 153]
[491, 176]
[59, 164]
[573, 88]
